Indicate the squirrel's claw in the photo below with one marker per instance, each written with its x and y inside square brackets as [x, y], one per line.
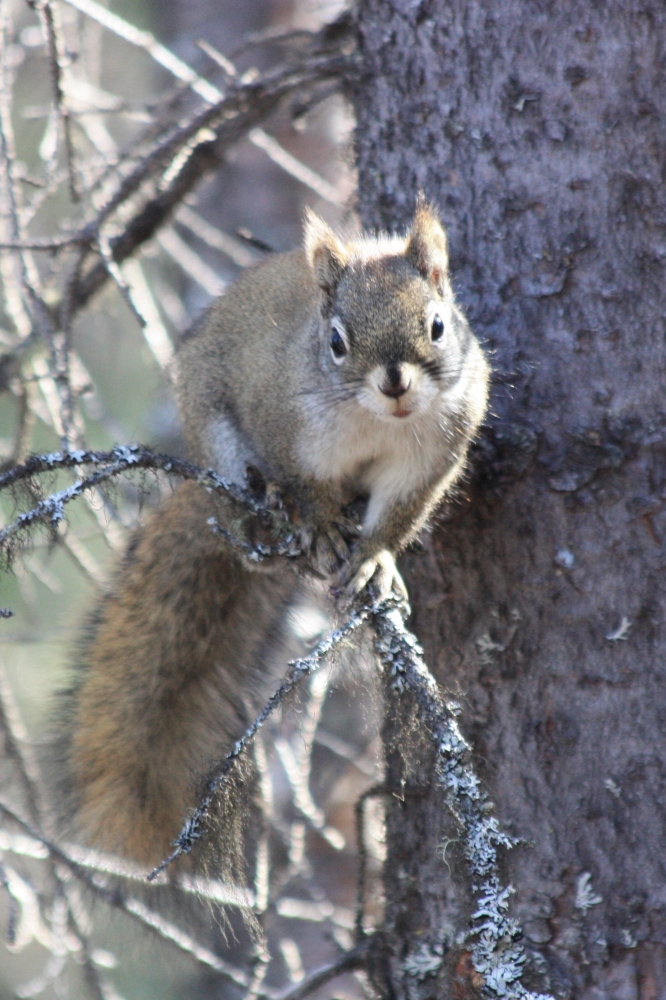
[324, 555]
[326, 550]
[338, 544]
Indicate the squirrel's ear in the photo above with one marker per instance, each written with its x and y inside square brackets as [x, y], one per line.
[427, 247]
[326, 255]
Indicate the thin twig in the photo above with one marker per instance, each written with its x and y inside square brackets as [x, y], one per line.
[347, 752]
[210, 93]
[191, 263]
[17, 748]
[55, 45]
[272, 35]
[48, 243]
[96, 983]
[221, 60]
[296, 768]
[262, 862]
[110, 464]
[25, 419]
[261, 962]
[12, 919]
[291, 165]
[351, 960]
[361, 857]
[228, 121]
[143, 299]
[215, 238]
[114, 270]
[134, 907]
[298, 669]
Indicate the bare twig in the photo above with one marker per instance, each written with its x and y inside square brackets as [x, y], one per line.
[361, 761]
[55, 47]
[359, 810]
[215, 238]
[298, 670]
[48, 243]
[133, 907]
[217, 57]
[191, 263]
[24, 421]
[228, 122]
[351, 960]
[298, 777]
[10, 934]
[17, 748]
[272, 35]
[262, 863]
[143, 299]
[295, 167]
[109, 465]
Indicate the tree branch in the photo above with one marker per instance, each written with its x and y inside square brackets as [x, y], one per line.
[121, 459]
[192, 830]
[351, 960]
[134, 908]
[497, 953]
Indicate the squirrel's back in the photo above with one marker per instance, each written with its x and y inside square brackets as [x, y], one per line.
[249, 347]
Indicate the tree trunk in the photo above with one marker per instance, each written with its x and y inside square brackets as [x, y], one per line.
[538, 129]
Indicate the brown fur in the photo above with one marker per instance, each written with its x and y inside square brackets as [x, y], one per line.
[190, 631]
[257, 384]
[181, 650]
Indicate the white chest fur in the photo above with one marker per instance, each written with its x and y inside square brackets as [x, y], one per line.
[389, 459]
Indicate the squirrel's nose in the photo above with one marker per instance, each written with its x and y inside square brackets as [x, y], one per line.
[396, 383]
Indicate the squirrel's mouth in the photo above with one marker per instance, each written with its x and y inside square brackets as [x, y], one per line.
[387, 409]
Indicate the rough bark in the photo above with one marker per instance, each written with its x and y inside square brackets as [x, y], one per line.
[538, 128]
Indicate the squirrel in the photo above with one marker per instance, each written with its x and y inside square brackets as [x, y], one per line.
[343, 372]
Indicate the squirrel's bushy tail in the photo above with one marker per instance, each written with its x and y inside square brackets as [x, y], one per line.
[179, 654]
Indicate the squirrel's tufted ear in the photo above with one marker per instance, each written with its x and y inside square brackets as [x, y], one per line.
[326, 255]
[427, 247]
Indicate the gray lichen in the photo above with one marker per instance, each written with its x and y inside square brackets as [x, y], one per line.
[497, 954]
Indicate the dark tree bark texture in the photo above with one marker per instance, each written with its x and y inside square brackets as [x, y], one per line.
[539, 130]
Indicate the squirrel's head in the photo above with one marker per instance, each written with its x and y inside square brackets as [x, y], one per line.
[392, 337]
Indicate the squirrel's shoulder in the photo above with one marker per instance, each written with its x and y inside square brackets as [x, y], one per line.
[271, 296]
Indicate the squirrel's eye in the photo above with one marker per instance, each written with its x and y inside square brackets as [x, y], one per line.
[437, 328]
[338, 346]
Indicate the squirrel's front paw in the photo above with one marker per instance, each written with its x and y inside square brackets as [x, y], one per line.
[378, 570]
[326, 549]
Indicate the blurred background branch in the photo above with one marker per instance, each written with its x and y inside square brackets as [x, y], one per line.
[166, 168]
